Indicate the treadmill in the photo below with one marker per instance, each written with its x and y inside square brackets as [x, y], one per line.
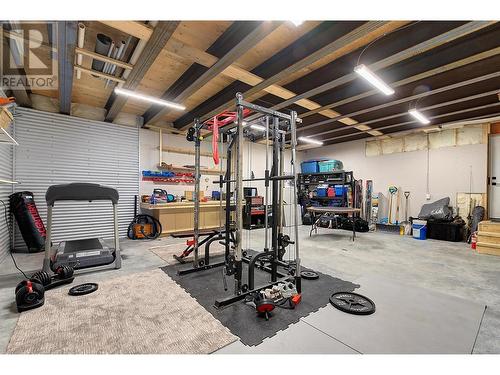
[86, 253]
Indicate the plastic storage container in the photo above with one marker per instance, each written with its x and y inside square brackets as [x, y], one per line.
[445, 231]
[330, 165]
[419, 229]
[310, 166]
[339, 190]
[322, 191]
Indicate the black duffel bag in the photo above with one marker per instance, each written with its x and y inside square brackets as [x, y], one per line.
[22, 205]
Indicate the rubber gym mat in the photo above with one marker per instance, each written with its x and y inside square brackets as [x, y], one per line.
[242, 319]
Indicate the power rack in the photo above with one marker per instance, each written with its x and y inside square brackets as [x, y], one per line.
[277, 125]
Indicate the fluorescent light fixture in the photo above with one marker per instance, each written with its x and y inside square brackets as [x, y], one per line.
[297, 22]
[420, 117]
[261, 128]
[375, 80]
[148, 98]
[310, 140]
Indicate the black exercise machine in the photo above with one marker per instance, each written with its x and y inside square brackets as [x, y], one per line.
[271, 258]
[85, 253]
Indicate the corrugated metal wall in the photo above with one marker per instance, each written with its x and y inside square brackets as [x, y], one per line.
[5, 191]
[56, 149]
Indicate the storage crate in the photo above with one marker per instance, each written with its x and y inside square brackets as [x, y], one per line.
[330, 165]
[190, 195]
[339, 190]
[488, 238]
[322, 191]
[310, 166]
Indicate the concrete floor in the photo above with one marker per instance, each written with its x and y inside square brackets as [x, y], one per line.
[450, 268]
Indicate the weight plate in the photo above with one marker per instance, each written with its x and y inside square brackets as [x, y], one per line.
[352, 303]
[82, 289]
[309, 275]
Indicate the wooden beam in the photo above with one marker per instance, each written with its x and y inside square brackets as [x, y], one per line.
[20, 92]
[185, 151]
[345, 44]
[97, 56]
[22, 37]
[248, 42]
[99, 74]
[418, 49]
[159, 38]
[180, 50]
[416, 122]
[414, 97]
[439, 105]
[134, 28]
[405, 81]
[66, 43]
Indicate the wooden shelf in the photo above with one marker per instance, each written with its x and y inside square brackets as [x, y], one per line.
[178, 150]
[186, 169]
[169, 180]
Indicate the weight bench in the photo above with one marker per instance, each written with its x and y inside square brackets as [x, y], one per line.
[190, 233]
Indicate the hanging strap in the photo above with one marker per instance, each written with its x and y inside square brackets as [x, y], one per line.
[215, 139]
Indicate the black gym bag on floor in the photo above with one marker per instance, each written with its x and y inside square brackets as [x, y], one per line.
[23, 206]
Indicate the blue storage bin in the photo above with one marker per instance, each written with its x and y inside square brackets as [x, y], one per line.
[339, 190]
[330, 165]
[322, 192]
[167, 174]
[310, 166]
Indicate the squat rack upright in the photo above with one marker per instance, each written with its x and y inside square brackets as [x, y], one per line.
[234, 254]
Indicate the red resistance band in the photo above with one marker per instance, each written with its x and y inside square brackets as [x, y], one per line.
[220, 120]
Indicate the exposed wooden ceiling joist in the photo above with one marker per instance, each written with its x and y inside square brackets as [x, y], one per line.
[134, 28]
[97, 56]
[161, 34]
[98, 73]
[448, 114]
[417, 96]
[405, 81]
[349, 42]
[259, 33]
[19, 92]
[418, 49]
[66, 43]
[179, 50]
[439, 105]
[434, 106]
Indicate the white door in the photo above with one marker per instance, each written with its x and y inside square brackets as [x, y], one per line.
[494, 188]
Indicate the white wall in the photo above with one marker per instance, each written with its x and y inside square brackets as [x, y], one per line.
[449, 170]
[254, 158]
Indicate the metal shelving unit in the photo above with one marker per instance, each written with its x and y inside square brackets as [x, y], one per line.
[308, 182]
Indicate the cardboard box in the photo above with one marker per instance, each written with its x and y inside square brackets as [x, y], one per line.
[190, 195]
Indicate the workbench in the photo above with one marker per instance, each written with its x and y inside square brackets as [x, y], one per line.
[178, 217]
[319, 212]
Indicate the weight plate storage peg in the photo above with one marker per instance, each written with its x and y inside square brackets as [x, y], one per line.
[352, 303]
